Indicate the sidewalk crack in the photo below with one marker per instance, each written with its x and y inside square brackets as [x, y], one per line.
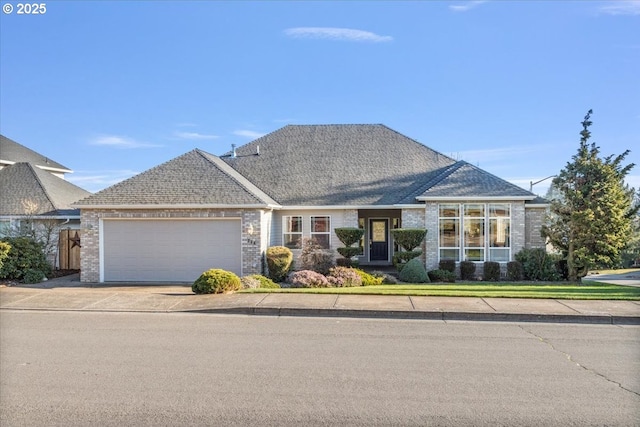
[570, 359]
[569, 307]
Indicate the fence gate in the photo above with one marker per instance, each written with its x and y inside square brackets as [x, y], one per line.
[69, 249]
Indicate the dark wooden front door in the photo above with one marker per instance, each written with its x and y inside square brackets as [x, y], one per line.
[378, 240]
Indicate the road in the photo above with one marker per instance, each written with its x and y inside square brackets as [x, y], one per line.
[143, 369]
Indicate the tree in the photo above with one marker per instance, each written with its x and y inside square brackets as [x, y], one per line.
[592, 219]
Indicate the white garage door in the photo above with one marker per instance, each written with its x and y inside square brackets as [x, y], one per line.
[169, 250]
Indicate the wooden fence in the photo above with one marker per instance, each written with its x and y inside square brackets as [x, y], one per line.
[69, 249]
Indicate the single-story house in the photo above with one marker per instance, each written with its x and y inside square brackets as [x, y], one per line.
[201, 211]
[35, 197]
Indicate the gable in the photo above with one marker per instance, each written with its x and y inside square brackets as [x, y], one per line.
[195, 178]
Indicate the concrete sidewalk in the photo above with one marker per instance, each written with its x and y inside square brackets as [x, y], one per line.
[69, 294]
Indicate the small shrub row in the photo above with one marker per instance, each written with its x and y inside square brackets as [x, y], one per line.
[441, 275]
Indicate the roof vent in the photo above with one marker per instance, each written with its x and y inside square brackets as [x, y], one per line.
[233, 149]
[257, 150]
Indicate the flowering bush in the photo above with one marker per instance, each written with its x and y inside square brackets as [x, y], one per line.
[308, 279]
[344, 277]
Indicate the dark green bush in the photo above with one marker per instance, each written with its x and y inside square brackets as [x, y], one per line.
[491, 271]
[514, 271]
[400, 258]
[349, 252]
[33, 276]
[408, 238]
[441, 275]
[563, 269]
[279, 259]
[216, 281]
[537, 264]
[414, 272]
[349, 235]
[369, 279]
[448, 265]
[25, 254]
[467, 270]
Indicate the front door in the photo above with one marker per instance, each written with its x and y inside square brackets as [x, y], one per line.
[379, 240]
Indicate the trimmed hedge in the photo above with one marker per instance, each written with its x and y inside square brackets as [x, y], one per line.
[216, 281]
[279, 260]
[441, 275]
[349, 252]
[414, 272]
[467, 270]
[400, 259]
[349, 235]
[491, 271]
[409, 238]
[447, 265]
[514, 271]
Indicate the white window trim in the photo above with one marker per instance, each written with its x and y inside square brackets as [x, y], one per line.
[285, 223]
[312, 233]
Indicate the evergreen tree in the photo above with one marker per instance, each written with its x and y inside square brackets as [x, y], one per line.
[592, 220]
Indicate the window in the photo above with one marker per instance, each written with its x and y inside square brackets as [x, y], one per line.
[292, 231]
[474, 232]
[321, 230]
[463, 233]
[499, 232]
[449, 232]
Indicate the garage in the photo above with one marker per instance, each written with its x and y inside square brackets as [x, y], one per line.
[168, 250]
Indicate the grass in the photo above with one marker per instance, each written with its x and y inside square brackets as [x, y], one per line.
[551, 290]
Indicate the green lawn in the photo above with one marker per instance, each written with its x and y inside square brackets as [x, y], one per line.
[588, 290]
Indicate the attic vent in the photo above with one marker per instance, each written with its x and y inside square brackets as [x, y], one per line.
[233, 149]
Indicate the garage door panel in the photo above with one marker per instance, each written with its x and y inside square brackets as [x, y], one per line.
[169, 250]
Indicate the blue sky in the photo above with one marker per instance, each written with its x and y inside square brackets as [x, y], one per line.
[112, 88]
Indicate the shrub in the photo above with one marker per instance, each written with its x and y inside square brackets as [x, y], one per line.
[537, 264]
[349, 235]
[562, 267]
[441, 275]
[216, 281]
[467, 270]
[349, 252]
[24, 254]
[514, 271]
[314, 257]
[4, 252]
[33, 276]
[308, 279]
[344, 277]
[408, 238]
[491, 271]
[414, 272]
[447, 265]
[401, 258]
[258, 281]
[369, 279]
[279, 259]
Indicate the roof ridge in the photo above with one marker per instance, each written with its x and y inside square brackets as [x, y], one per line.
[240, 179]
[417, 142]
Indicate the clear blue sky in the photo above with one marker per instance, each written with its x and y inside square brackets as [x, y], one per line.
[112, 88]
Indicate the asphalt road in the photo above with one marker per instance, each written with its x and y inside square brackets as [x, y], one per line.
[117, 369]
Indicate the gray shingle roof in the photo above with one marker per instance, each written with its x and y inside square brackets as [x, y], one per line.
[12, 152]
[307, 165]
[195, 178]
[463, 180]
[29, 190]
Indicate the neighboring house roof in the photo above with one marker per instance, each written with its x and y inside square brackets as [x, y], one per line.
[311, 166]
[28, 190]
[193, 179]
[11, 152]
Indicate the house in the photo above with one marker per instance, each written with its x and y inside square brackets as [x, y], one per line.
[35, 198]
[200, 211]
